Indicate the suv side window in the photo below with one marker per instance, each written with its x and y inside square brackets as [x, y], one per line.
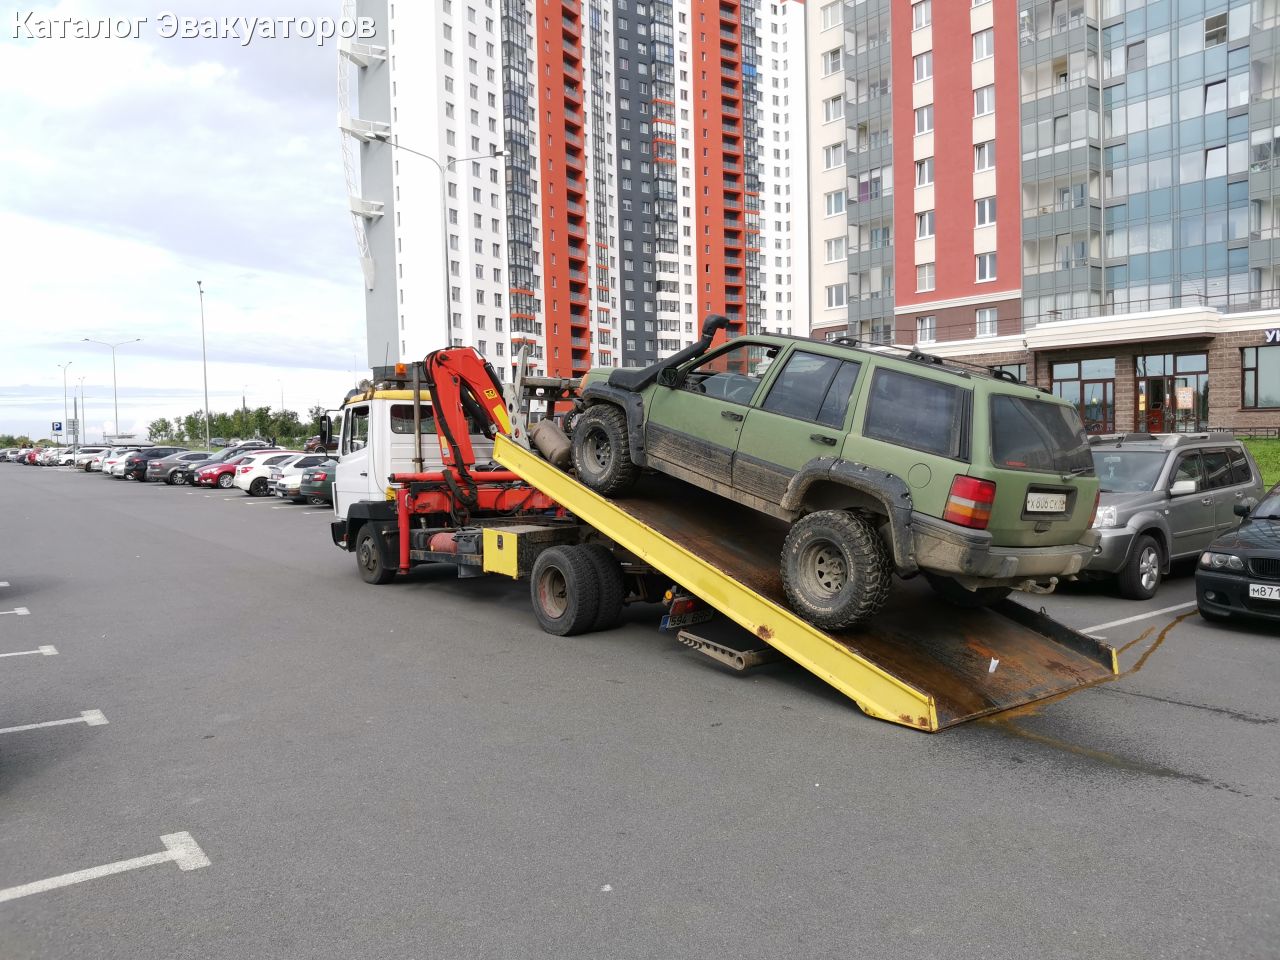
[814, 388]
[1189, 468]
[1240, 471]
[916, 412]
[1217, 468]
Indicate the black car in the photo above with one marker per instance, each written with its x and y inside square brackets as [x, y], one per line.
[1239, 575]
[135, 465]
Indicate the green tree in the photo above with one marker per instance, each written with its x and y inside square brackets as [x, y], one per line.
[160, 429]
[314, 416]
[193, 425]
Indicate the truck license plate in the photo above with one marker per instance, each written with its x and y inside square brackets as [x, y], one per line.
[1046, 502]
[670, 622]
[1264, 591]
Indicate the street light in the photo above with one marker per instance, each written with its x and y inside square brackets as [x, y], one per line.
[204, 361]
[115, 398]
[63, 368]
[82, 416]
[444, 221]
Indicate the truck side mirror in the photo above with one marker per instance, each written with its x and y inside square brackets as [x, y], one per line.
[326, 430]
[1183, 488]
[668, 376]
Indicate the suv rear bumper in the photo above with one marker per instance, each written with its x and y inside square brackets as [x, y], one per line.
[956, 551]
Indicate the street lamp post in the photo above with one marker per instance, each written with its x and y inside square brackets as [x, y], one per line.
[115, 398]
[63, 368]
[82, 418]
[204, 362]
[443, 168]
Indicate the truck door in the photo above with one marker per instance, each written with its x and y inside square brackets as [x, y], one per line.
[803, 415]
[351, 484]
[1191, 518]
[695, 424]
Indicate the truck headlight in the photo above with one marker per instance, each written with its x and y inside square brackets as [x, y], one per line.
[1221, 561]
[1106, 518]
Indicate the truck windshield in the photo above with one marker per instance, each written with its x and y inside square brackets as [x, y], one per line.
[1127, 471]
[1031, 434]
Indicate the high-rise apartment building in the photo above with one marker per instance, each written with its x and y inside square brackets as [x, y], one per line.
[591, 176]
[1019, 172]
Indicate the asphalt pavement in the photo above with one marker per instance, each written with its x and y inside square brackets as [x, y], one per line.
[238, 749]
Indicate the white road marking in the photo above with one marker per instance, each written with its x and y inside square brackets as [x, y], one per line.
[48, 650]
[4, 583]
[313, 512]
[1141, 616]
[181, 848]
[20, 611]
[90, 718]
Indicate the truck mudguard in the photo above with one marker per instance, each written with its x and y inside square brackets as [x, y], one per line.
[886, 489]
[360, 513]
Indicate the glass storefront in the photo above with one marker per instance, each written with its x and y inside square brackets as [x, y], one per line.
[1172, 392]
[1091, 386]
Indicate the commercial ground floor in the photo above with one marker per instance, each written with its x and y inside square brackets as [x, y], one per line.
[1173, 371]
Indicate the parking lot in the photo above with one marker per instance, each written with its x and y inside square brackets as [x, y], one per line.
[216, 741]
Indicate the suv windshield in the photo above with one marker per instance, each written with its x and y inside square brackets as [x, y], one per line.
[1128, 471]
[1031, 434]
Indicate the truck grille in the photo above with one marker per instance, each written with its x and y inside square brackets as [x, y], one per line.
[1266, 567]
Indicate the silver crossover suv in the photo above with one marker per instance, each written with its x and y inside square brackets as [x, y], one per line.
[1165, 497]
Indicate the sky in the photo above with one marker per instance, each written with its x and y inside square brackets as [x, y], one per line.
[130, 169]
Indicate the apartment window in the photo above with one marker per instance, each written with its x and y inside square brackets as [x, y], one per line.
[832, 61]
[986, 263]
[1215, 30]
[921, 14]
[924, 172]
[833, 155]
[837, 295]
[1215, 96]
[926, 329]
[924, 225]
[986, 211]
[1261, 368]
[1215, 162]
[984, 100]
[924, 65]
[984, 44]
[986, 318]
[832, 14]
[925, 278]
[836, 249]
[833, 108]
[835, 202]
[984, 156]
[924, 119]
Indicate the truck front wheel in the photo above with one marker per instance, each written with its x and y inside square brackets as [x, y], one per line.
[602, 450]
[835, 569]
[369, 557]
[565, 589]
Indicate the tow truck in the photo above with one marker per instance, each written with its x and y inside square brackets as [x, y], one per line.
[495, 498]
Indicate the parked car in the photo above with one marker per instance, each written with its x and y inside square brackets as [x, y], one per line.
[176, 467]
[286, 487]
[882, 464]
[1239, 575]
[252, 472]
[49, 456]
[86, 454]
[292, 467]
[317, 483]
[96, 464]
[135, 467]
[113, 463]
[1164, 498]
[8, 453]
[217, 442]
[33, 457]
[221, 474]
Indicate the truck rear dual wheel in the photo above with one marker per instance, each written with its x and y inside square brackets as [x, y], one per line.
[576, 589]
[835, 569]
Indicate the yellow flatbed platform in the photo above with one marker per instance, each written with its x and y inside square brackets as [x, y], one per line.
[922, 662]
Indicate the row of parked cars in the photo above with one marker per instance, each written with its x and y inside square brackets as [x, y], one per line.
[253, 466]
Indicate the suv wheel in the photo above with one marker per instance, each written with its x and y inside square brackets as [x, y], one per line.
[835, 569]
[258, 488]
[956, 595]
[602, 450]
[1140, 578]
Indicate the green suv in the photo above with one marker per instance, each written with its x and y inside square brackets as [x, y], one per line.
[882, 464]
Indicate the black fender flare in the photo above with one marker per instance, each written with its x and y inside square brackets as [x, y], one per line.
[632, 404]
[888, 489]
[344, 532]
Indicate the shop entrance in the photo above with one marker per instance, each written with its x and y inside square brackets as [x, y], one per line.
[1173, 393]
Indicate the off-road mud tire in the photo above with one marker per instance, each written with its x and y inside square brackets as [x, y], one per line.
[565, 590]
[835, 569]
[602, 450]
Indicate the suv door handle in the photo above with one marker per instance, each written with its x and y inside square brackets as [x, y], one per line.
[730, 415]
[823, 438]
[364, 473]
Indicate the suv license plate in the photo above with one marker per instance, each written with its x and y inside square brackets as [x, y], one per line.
[1264, 591]
[1046, 502]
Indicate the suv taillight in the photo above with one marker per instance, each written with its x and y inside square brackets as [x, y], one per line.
[244, 469]
[969, 502]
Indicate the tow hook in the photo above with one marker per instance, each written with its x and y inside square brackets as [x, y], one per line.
[1030, 586]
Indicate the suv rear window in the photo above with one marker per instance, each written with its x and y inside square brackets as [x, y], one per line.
[919, 413]
[1031, 434]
